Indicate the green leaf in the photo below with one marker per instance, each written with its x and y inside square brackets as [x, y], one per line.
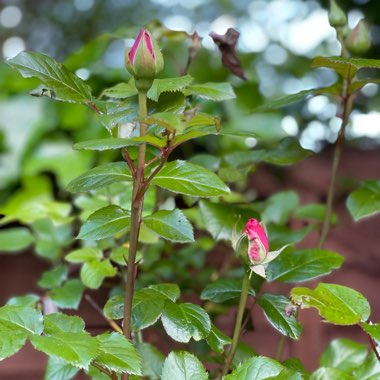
[168, 85]
[287, 152]
[114, 307]
[218, 225]
[104, 223]
[326, 373]
[54, 277]
[217, 340]
[365, 200]
[358, 84]
[101, 176]
[170, 291]
[119, 254]
[274, 307]
[282, 235]
[192, 135]
[121, 90]
[243, 352]
[148, 304]
[59, 322]
[275, 104]
[287, 374]
[11, 341]
[21, 318]
[171, 225]
[105, 144]
[280, 206]
[255, 368]
[185, 178]
[117, 115]
[59, 370]
[233, 175]
[62, 84]
[335, 303]
[211, 91]
[206, 160]
[303, 265]
[346, 67]
[75, 348]
[15, 239]
[94, 272]
[295, 364]
[167, 120]
[152, 140]
[118, 354]
[182, 365]
[152, 361]
[343, 354]
[23, 205]
[69, 295]
[82, 255]
[373, 330]
[169, 102]
[223, 290]
[199, 120]
[369, 369]
[27, 300]
[185, 321]
[314, 212]
[17, 323]
[51, 238]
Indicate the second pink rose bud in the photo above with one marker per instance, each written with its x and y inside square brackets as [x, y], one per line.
[258, 245]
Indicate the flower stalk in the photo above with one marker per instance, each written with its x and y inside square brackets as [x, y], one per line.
[238, 322]
[144, 60]
[347, 108]
[136, 212]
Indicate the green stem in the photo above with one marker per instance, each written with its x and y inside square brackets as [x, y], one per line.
[347, 108]
[340, 36]
[103, 370]
[280, 347]
[136, 212]
[238, 322]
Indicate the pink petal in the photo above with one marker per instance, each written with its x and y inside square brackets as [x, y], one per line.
[149, 44]
[254, 230]
[254, 251]
[132, 52]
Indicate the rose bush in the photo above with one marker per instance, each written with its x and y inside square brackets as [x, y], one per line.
[144, 220]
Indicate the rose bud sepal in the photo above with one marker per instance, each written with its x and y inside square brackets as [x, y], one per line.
[260, 269]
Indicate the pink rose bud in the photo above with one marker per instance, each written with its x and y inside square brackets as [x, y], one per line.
[144, 60]
[359, 41]
[258, 246]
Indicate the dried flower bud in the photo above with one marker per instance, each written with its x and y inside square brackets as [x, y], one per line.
[358, 40]
[337, 18]
[144, 60]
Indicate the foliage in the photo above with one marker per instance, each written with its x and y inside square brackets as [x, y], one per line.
[121, 222]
